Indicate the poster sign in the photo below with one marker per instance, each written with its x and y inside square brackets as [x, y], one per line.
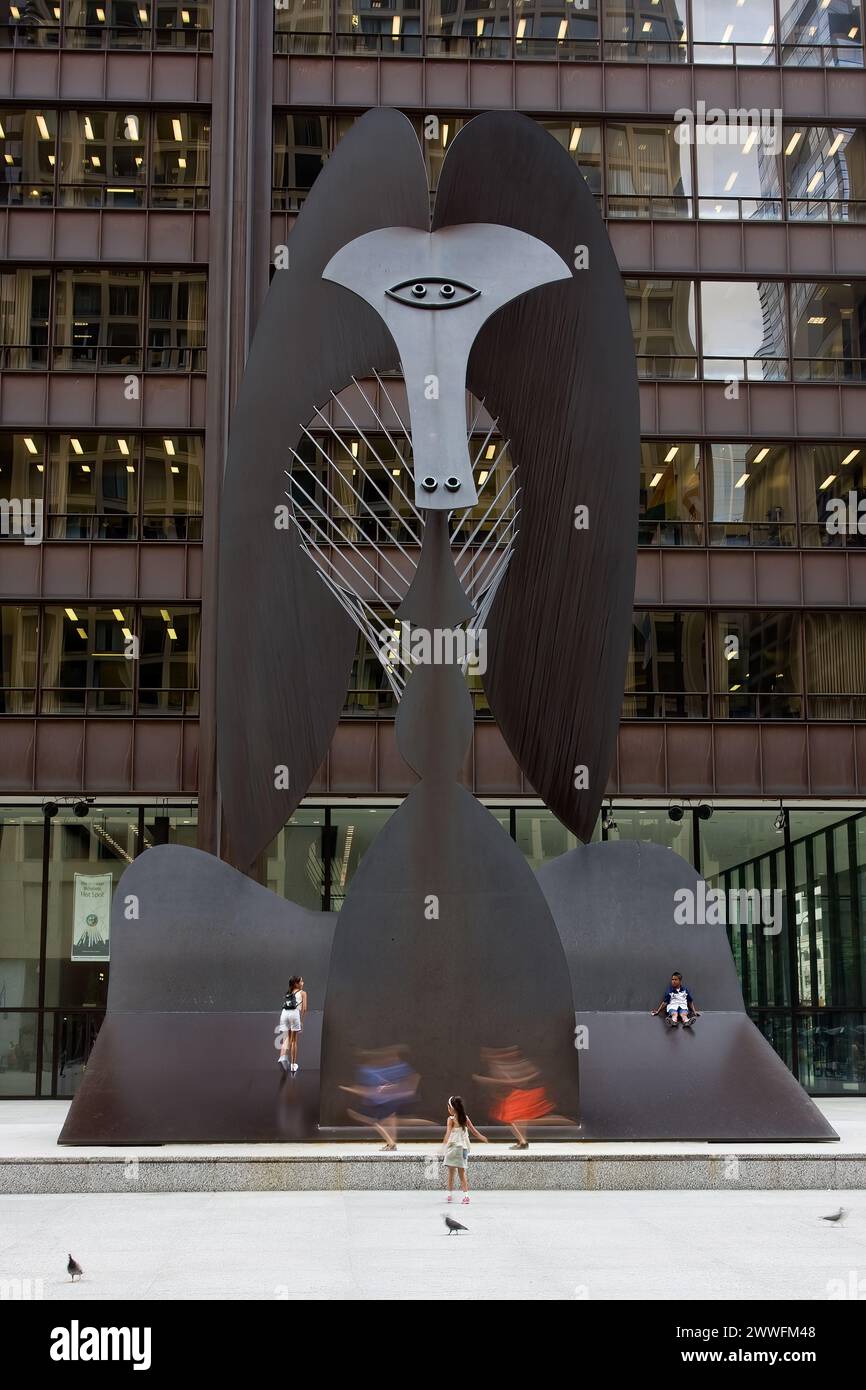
[92, 917]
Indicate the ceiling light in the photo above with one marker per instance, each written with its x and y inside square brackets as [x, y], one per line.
[491, 451]
[395, 27]
[14, 11]
[355, 447]
[827, 481]
[760, 456]
[575, 138]
[850, 457]
[815, 180]
[9, 159]
[76, 444]
[172, 634]
[444, 134]
[165, 615]
[51, 160]
[768, 37]
[732, 179]
[656, 479]
[648, 24]
[742, 480]
[100, 14]
[43, 128]
[130, 468]
[96, 161]
[395, 472]
[81, 633]
[482, 477]
[672, 453]
[142, 14]
[835, 145]
[88, 129]
[521, 28]
[175, 469]
[181, 162]
[563, 29]
[177, 128]
[726, 36]
[793, 142]
[40, 468]
[85, 467]
[130, 127]
[29, 445]
[734, 687]
[479, 28]
[123, 447]
[852, 33]
[817, 318]
[119, 615]
[71, 614]
[169, 447]
[753, 135]
[127, 634]
[184, 14]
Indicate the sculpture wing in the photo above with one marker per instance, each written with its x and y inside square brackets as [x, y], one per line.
[557, 368]
[285, 647]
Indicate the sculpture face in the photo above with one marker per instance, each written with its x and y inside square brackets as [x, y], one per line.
[434, 291]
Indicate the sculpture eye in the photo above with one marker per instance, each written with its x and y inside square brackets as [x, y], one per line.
[433, 293]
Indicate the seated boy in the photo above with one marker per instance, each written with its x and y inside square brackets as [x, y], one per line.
[678, 1004]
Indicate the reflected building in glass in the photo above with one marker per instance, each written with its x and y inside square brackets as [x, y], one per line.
[145, 197]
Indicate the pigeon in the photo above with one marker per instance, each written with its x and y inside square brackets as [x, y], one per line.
[449, 1222]
[837, 1215]
[74, 1268]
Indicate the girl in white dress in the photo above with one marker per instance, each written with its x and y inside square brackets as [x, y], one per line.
[456, 1145]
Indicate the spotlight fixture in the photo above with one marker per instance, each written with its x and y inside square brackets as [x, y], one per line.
[704, 811]
[675, 813]
[50, 809]
[80, 808]
[780, 824]
[607, 821]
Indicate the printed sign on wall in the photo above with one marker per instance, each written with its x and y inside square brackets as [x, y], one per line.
[92, 917]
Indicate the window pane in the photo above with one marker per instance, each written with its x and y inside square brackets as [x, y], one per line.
[172, 496]
[662, 316]
[725, 31]
[829, 324]
[825, 173]
[632, 30]
[583, 143]
[654, 826]
[97, 318]
[18, 1034]
[296, 859]
[19, 645]
[751, 494]
[27, 156]
[821, 36]
[829, 862]
[831, 1052]
[366, 26]
[369, 692]
[356, 829]
[303, 26]
[20, 907]
[181, 159]
[168, 666]
[738, 171]
[177, 321]
[756, 665]
[479, 28]
[744, 329]
[85, 668]
[743, 855]
[183, 25]
[24, 299]
[556, 29]
[648, 172]
[541, 837]
[671, 506]
[835, 652]
[301, 146]
[667, 670]
[93, 487]
[832, 484]
[22, 470]
[103, 158]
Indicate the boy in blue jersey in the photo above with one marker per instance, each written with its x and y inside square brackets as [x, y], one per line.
[677, 1003]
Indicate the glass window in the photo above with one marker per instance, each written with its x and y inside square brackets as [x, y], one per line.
[177, 320]
[831, 1052]
[474, 29]
[437, 134]
[19, 646]
[97, 318]
[168, 665]
[29, 23]
[297, 861]
[635, 30]
[825, 173]
[649, 172]
[87, 660]
[170, 826]
[829, 330]
[302, 26]
[832, 486]
[368, 26]
[301, 145]
[18, 1040]
[654, 825]
[830, 903]
[27, 156]
[553, 29]
[667, 667]
[25, 296]
[738, 171]
[745, 333]
[825, 35]
[22, 470]
[20, 907]
[671, 506]
[756, 666]
[662, 316]
[181, 159]
[730, 31]
[835, 653]
[103, 158]
[369, 692]
[355, 829]
[180, 24]
[542, 837]
[751, 494]
[93, 487]
[172, 490]
[583, 142]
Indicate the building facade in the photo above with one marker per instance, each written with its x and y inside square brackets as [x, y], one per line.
[153, 157]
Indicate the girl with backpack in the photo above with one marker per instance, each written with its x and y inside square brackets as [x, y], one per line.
[456, 1145]
[291, 1023]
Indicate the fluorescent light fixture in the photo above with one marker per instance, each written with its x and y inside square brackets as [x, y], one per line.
[563, 29]
[76, 444]
[575, 138]
[177, 128]
[96, 162]
[852, 33]
[88, 129]
[172, 634]
[726, 36]
[491, 451]
[130, 468]
[395, 472]
[656, 479]
[131, 127]
[647, 25]
[9, 159]
[40, 468]
[29, 445]
[2, 132]
[732, 179]
[123, 447]
[768, 37]
[165, 615]
[395, 27]
[817, 319]
[43, 127]
[827, 481]
[742, 480]
[672, 453]
[849, 458]
[483, 476]
[181, 162]
[71, 614]
[175, 469]
[735, 687]
[85, 467]
[521, 28]
[355, 447]
[729, 656]
[127, 634]
[760, 456]
[815, 180]
[81, 633]
[169, 447]
[14, 11]
[750, 142]
[836, 143]
[479, 28]
[51, 160]
[119, 614]
[100, 14]
[142, 14]
[184, 14]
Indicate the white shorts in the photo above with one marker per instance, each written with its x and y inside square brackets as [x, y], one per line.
[290, 1021]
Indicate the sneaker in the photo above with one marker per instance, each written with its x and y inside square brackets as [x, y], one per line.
[465, 1202]
[449, 1197]
[294, 1066]
[687, 1022]
[284, 1063]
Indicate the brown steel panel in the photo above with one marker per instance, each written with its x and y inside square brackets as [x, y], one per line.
[352, 758]
[818, 410]
[201, 237]
[36, 76]
[675, 248]
[853, 412]
[65, 571]
[124, 235]
[684, 577]
[197, 406]
[157, 755]
[490, 86]
[774, 409]
[77, 234]
[850, 248]
[765, 248]
[113, 571]
[193, 572]
[723, 416]
[717, 86]
[19, 570]
[689, 758]
[811, 250]
[732, 578]
[857, 577]
[17, 749]
[29, 233]
[402, 84]
[670, 88]
[832, 770]
[82, 76]
[356, 82]
[777, 579]
[170, 236]
[162, 571]
[649, 407]
[166, 402]
[642, 758]
[395, 776]
[535, 87]
[648, 577]
[127, 78]
[189, 767]
[825, 576]
[70, 400]
[679, 409]
[625, 88]
[784, 759]
[581, 85]
[860, 757]
[447, 84]
[845, 94]
[496, 769]
[309, 82]
[23, 398]
[320, 782]
[632, 243]
[761, 87]
[174, 76]
[60, 755]
[113, 410]
[720, 249]
[737, 759]
[107, 755]
[802, 93]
